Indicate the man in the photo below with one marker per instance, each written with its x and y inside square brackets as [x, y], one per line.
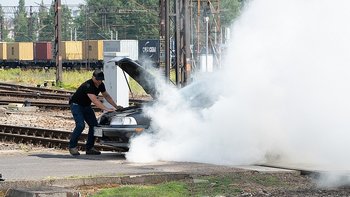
[80, 104]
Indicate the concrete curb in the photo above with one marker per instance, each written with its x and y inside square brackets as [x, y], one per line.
[76, 182]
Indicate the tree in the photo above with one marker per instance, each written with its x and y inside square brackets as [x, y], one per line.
[230, 10]
[135, 19]
[21, 23]
[100, 18]
[3, 27]
[67, 22]
[46, 24]
[32, 21]
[146, 19]
[43, 19]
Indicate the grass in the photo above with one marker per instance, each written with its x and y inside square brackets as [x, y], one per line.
[71, 79]
[170, 189]
[220, 185]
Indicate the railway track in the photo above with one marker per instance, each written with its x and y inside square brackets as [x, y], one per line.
[33, 95]
[8, 86]
[41, 97]
[40, 104]
[44, 137]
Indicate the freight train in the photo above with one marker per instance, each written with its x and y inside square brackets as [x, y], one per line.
[75, 54]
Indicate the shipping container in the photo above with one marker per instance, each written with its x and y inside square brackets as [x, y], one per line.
[127, 47]
[3, 51]
[20, 51]
[93, 50]
[130, 47]
[149, 51]
[71, 50]
[111, 46]
[43, 51]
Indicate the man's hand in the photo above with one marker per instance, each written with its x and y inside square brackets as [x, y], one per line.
[110, 109]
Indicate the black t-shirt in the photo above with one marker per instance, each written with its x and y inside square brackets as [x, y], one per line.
[81, 95]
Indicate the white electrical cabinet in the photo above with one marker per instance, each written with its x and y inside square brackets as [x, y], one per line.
[115, 81]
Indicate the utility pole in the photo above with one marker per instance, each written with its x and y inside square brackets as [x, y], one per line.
[30, 25]
[187, 40]
[189, 28]
[207, 40]
[58, 56]
[175, 25]
[1, 28]
[162, 32]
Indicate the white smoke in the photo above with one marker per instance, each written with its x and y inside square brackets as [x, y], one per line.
[285, 92]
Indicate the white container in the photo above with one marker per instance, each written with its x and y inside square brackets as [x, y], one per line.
[130, 47]
[111, 46]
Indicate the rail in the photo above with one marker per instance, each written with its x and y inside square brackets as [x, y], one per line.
[44, 137]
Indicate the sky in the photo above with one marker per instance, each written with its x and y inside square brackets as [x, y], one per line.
[36, 2]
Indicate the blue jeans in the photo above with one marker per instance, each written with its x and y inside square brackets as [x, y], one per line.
[81, 114]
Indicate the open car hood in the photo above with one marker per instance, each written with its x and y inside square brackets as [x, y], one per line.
[144, 78]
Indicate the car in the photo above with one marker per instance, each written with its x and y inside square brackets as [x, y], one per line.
[116, 128]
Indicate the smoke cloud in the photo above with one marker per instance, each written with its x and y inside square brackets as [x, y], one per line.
[283, 93]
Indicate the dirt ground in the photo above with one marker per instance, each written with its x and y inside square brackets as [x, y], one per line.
[234, 184]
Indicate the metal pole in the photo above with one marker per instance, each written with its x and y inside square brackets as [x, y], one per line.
[167, 40]
[198, 29]
[178, 44]
[1, 28]
[187, 39]
[206, 43]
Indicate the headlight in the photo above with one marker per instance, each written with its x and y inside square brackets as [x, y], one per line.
[123, 121]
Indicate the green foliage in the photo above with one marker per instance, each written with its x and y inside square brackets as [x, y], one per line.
[230, 9]
[67, 23]
[129, 19]
[47, 26]
[21, 23]
[166, 189]
[71, 79]
[4, 31]
[218, 185]
[215, 186]
[98, 19]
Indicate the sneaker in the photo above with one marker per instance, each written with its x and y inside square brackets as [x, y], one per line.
[93, 151]
[74, 151]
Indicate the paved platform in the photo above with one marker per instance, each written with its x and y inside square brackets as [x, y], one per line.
[56, 168]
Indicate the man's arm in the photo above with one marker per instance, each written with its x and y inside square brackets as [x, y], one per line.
[98, 103]
[110, 100]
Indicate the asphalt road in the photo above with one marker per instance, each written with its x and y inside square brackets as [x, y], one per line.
[19, 165]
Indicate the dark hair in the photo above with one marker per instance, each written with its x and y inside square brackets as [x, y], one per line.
[98, 74]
